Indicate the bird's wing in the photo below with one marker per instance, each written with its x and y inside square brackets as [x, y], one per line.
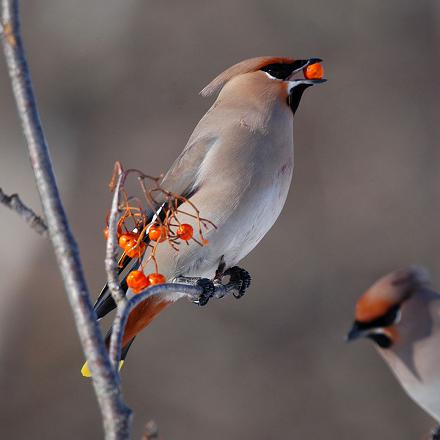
[182, 176]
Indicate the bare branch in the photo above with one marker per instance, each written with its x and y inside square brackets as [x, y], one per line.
[33, 220]
[111, 267]
[116, 415]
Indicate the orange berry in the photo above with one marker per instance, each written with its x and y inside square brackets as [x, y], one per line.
[137, 281]
[185, 231]
[314, 71]
[157, 233]
[156, 278]
[134, 249]
[126, 238]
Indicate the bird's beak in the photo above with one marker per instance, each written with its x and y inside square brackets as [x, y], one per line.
[310, 82]
[300, 65]
[355, 333]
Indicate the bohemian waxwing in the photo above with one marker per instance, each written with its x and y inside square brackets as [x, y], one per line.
[401, 314]
[236, 169]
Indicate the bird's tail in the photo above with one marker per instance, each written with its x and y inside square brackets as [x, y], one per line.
[138, 319]
[85, 368]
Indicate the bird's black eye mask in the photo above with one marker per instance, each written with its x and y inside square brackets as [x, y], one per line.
[389, 318]
[372, 329]
[283, 70]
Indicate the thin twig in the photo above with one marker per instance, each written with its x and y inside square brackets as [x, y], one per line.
[111, 265]
[33, 220]
[115, 414]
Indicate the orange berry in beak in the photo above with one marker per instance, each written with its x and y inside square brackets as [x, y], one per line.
[185, 231]
[314, 71]
[137, 281]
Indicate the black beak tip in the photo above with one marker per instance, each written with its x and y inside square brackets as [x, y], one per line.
[314, 61]
[353, 334]
[349, 338]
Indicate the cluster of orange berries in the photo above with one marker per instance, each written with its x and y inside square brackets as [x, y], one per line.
[138, 235]
[134, 247]
[138, 281]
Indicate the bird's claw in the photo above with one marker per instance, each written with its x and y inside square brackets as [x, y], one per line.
[208, 291]
[241, 278]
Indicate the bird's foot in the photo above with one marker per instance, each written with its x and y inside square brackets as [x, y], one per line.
[208, 291]
[241, 278]
[206, 284]
[435, 434]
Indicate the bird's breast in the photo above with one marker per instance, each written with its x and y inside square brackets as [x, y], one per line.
[416, 367]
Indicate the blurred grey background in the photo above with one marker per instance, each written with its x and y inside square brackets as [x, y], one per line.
[119, 80]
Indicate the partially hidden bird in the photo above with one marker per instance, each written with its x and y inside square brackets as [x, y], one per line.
[236, 169]
[401, 313]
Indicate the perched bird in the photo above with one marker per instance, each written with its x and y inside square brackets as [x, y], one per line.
[236, 169]
[401, 314]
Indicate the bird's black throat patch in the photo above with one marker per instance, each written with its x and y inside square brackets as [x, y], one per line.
[295, 96]
[381, 339]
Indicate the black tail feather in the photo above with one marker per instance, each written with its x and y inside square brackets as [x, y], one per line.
[124, 350]
[105, 303]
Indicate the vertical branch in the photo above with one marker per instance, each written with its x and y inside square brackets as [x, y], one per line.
[116, 416]
[111, 265]
[118, 328]
[111, 268]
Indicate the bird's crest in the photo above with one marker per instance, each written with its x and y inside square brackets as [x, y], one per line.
[389, 291]
[246, 66]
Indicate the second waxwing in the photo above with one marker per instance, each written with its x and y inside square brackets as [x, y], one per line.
[236, 169]
[400, 313]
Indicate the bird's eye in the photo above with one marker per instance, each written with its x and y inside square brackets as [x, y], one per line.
[279, 71]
